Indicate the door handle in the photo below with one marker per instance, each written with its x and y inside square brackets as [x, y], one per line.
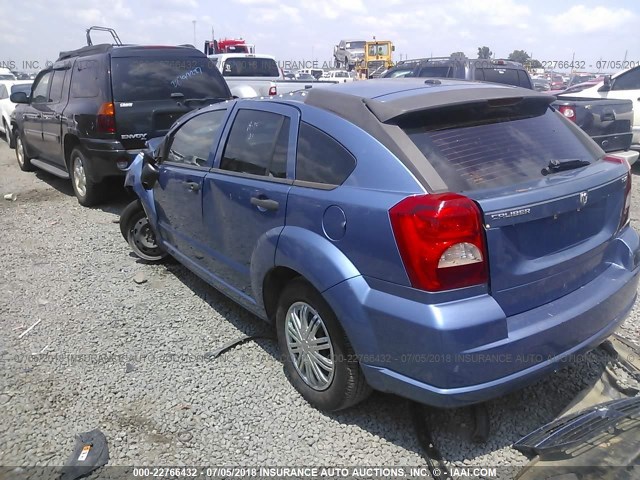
[265, 203]
[193, 186]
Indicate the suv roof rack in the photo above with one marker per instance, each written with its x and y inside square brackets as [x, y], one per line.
[116, 38]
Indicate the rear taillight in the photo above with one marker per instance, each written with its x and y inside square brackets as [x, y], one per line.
[273, 91]
[626, 208]
[568, 111]
[441, 241]
[106, 122]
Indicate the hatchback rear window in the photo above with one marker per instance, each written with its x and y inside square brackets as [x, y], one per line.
[157, 78]
[480, 146]
[250, 67]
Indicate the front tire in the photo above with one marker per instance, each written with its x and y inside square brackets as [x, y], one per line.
[136, 230]
[317, 356]
[88, 192]
[24, 160]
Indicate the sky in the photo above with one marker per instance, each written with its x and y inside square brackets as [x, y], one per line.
[587, 31]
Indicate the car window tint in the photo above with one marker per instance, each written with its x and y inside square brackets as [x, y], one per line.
[508, 76]
[40, 90]
[257, 144]
[55, 93]
[628, 81]
[136, 79]
[320, 158]
[477, 146]
[192, 142]
[84, 80]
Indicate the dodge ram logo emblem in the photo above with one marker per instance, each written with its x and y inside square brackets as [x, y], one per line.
[584, 198]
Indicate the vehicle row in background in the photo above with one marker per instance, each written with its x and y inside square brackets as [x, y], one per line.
[8, 87]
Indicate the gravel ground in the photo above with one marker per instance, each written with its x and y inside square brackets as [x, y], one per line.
[131, 359]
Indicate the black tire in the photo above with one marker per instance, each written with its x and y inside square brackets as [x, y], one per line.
[347, 386]
[88, 192]
[133, 220]
[21, 152]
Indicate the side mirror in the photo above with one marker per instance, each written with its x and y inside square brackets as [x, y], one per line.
[606, 84]
[150, 172]
[19, 97]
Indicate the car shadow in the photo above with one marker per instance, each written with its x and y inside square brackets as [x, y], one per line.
[392, 418]
[118, 196]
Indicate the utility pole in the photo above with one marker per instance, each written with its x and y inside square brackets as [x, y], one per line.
[194, 33]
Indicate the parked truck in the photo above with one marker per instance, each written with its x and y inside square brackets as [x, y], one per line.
[348, 53]
[250, 75]
[607, 121]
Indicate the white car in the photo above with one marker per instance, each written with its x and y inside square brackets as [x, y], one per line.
[7, 87]
[623, 85]
[337, 76]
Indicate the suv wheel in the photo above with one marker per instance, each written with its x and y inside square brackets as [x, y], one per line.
[317, 355]
[136, 230]
[88, 192]
[24, 161]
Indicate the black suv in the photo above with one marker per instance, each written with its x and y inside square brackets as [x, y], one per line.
[495, 71]
[91, 112]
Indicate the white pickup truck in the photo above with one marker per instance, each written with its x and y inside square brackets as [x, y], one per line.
[621, 86]
[251, 75]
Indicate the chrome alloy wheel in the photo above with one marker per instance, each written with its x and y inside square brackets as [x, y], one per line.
[309, 346]
[79, 177]
[19, 151]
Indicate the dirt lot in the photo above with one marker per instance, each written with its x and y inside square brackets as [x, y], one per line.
[132, 360]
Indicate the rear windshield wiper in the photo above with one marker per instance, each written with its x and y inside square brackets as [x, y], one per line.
[562, 165]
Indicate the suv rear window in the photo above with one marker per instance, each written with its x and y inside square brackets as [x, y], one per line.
[139, 79]
[250, 67]
[443, 71]
[480, 146]
[507, 76]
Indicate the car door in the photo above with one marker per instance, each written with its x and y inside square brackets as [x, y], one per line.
[186, 159]
[32, 113]
[246, 194]
[52, 117]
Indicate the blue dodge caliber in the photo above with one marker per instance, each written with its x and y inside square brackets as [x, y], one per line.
[444, 240]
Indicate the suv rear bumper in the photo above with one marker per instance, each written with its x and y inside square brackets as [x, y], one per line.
[104, 156]
[467, 351]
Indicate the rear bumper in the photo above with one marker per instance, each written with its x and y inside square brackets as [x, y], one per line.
[467, 351]
[104, 156]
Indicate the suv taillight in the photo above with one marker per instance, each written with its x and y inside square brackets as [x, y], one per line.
[441, 241]
[568, 111]
[273, 91]
[626, 208]
[106, 122]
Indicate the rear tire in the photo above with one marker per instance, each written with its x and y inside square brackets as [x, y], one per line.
[24, 160]
[317, 356]
[88, 192]
[136, 230]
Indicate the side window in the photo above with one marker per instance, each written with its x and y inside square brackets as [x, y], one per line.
[258, 144]
[628, 81]
[41, 89]
[55, 93]
[321, 159]
[192, 142]
[3, 92]
[84, 81]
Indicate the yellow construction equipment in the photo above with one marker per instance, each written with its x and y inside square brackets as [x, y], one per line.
[377, 58]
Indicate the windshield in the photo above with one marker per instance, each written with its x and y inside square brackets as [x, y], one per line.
[138, 79]
[440, 72]
[478, 146]
[354, 45]
[382, 49]
[250, 67]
